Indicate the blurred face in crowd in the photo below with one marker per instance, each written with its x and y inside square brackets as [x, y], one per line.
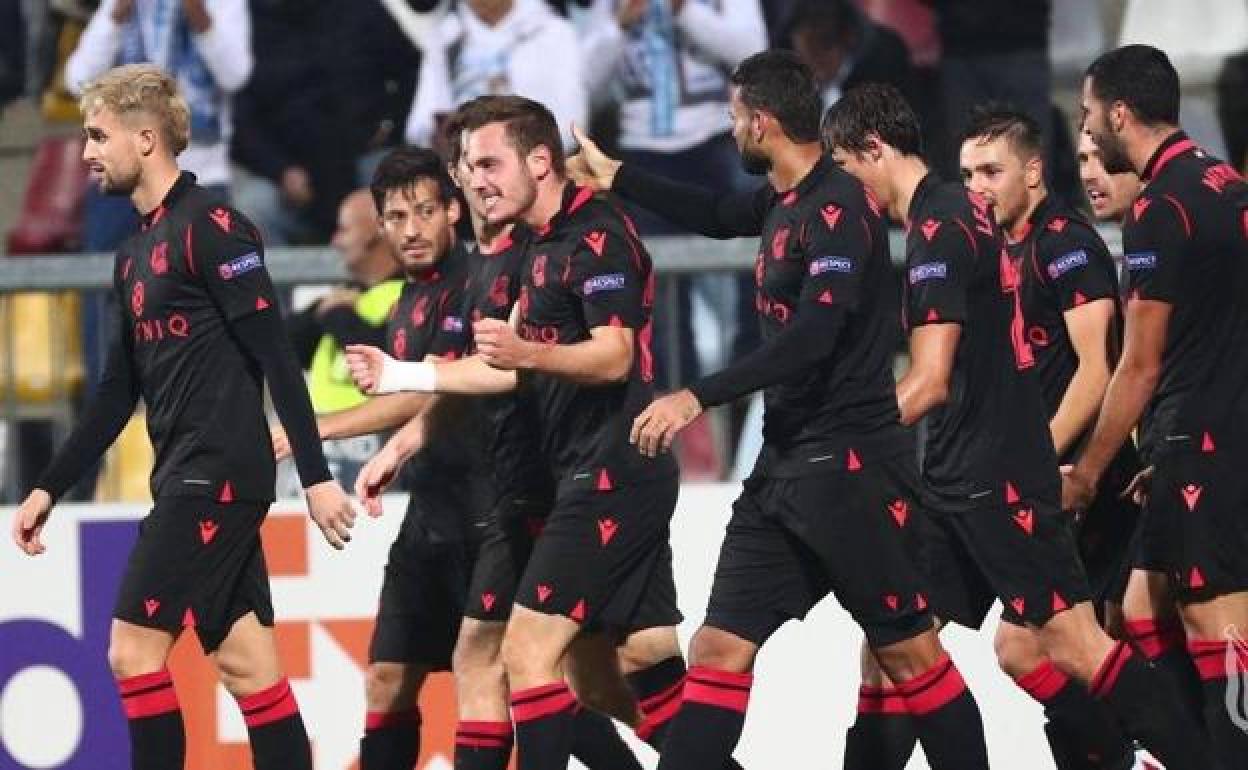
[1105, 122]
[358, 231]
[747, 130]
[113, 149]
[490, 11]
[505, 182]
[419, 225]
[1109, 194]
[996, 170]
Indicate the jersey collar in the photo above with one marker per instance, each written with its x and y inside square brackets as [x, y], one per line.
[926, 185]
[184, 182]
[813, 177]
[1174, 145]
[574, 197]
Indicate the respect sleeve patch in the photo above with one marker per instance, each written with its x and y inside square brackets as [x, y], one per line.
[239, 265]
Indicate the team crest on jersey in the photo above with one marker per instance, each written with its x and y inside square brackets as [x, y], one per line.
[1067, 262]
[239, 265]
[539, 270]
[831, 215]
[399, 345]
[779, 241]
[420, 311]
[136, 298]
[498, 290]
[160, 258]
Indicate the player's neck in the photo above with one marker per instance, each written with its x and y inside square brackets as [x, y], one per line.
[489, 235]
[1149, 138]
[792, 164]
[905, 177]
[1018, 228]
[548, 201]
[154, 184]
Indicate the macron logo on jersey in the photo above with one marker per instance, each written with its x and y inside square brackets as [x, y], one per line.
[605, 282]
[831, 265]
[240, 265]
[1067, 262]
[929, 271]
[452, 324]
[1142, 260]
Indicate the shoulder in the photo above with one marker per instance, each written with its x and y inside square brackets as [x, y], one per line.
[1066, 231]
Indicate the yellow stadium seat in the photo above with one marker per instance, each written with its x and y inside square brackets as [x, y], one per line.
[40, 348]
[127, 466]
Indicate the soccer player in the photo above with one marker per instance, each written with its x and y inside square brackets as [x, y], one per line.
[832, 434]
[1183, 367]
[1068, 288]
[579, 354]
[997, 530]
[199, 335]
[1110, 195]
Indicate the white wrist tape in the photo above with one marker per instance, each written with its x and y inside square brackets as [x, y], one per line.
[419, 376]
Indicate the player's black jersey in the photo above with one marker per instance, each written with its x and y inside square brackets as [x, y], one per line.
[1186, 244]
[588, 268]
[196, 266]
[428, 320]
[825, 243]
[990, 442]
[512, 444]
[1063, 263]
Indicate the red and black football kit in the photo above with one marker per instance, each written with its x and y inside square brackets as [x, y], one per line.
[200, 333]
[1063, 264]
[986, 454]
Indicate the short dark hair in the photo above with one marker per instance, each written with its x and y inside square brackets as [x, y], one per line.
[872, 108]
[403, 168]
[528, 124]
[1141, 77]
[450, 136]
[994, 120]
[781, 84]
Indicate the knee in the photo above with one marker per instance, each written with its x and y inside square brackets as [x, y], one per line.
[713, 648]
[130, 657]
[1018, 652]
[384, 686]
[645, 648]
[907, 659]
[478, 651]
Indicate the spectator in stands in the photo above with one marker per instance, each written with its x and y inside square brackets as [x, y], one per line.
[354, 314]
[12, 51]
[290, 172]
[668, 61]
[1232, 91]
[844, 48]
[994, 51]
[498, 47]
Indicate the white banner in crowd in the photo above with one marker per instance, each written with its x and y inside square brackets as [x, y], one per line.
[58, 706]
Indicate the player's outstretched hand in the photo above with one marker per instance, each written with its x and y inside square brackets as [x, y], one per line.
[1077, 489]
[367, 364]
[656, 427]
[281, 444]
[332, 511]
[1139, 487]
[590, 166]
[373, 479]
[29, 520]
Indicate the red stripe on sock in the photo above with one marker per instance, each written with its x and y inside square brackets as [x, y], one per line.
[495, 729]
[150, 704]
[269, 706]
[144, 681]
[934, 689]
[1043, 682]
[723, 689]
[659, 709]
[1210, 659]
[1107, 675]
[476, 742]
[881, 700]
[484, 735]
[380, 720]
[1154, 639]
[541, 702]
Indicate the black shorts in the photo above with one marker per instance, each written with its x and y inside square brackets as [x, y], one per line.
[603, 558]
[1107, 540]
[197, 563]
[423, 593]
[792, 541]
[1023, 554]
[514, 525]
[1196, 521]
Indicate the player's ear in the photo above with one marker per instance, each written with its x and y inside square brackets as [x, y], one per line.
[453, 211]
[1033, 171]
[539, 161]
[874, 151]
